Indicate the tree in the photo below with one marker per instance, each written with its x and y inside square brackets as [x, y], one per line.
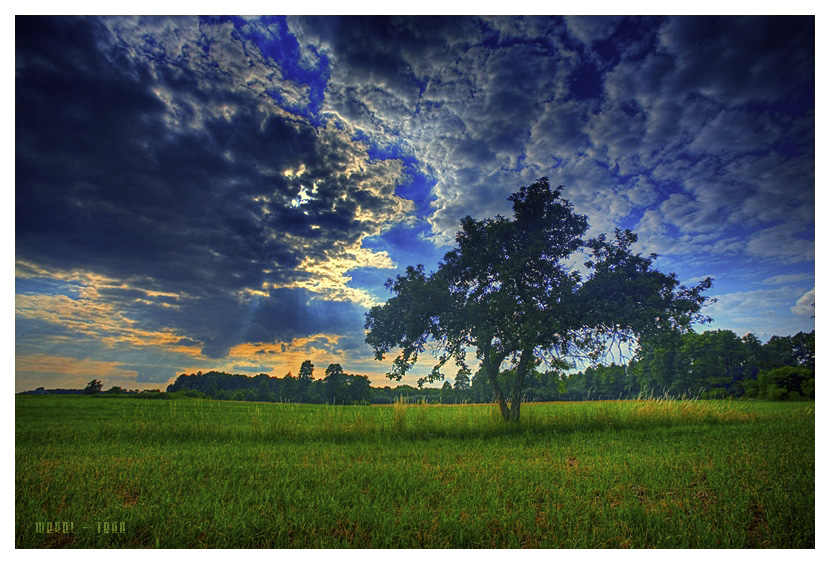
[717, 360]
[359, 389]
[335, 384]
[480, 390]
[447, 394]
[264, 392]
[753, 356]
[307, 370]
[786, 382]
[462, 382]
[304, 380]
[93, 387]
[287, 387]
[509, 292]
[796, 350]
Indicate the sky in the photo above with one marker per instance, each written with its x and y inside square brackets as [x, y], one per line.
[227, 193]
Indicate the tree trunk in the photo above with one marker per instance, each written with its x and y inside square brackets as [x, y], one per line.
[492, 377]
[518, 384]
[491, 368]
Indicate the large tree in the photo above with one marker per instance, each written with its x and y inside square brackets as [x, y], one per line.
[511, 291]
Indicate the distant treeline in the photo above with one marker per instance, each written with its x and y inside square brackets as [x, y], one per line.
[336, 387]
[713, 364]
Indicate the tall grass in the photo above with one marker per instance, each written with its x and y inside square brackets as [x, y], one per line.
[233, 421]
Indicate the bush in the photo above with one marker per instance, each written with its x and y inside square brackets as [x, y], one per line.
[775, 393]
[809, 388]
[786, 382]
[750, 388]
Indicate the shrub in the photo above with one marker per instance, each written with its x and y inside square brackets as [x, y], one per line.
[808, 388]
[780, 383]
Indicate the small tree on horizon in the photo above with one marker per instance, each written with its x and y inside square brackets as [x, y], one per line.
[462, 380]
[307, 370]
[335, 384]
[509, 291]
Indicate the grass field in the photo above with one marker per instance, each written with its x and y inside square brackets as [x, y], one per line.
[109, 472]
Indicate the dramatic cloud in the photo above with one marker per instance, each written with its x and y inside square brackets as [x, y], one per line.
[192, 191]
[157, 170]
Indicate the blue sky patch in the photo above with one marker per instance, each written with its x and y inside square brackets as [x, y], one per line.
[48, 286]
[282, 47]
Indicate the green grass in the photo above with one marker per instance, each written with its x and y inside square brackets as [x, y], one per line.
[190, 473]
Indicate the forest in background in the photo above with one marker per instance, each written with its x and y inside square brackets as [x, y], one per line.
[712, 364]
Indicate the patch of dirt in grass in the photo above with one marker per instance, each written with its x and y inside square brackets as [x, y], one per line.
[129, 496]
[758, 529]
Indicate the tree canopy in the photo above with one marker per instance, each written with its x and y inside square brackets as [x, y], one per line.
[307, 370]
[511, 291]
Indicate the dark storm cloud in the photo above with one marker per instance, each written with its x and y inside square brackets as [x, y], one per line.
[389, 53]
[736, 60]
[154, 167]
[589, 29]
[700, 67]
[102, 182]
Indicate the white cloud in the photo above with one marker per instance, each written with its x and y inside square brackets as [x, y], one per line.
[787, 278]
[762, 312]
[683, 211]
[805, 304]
[736, 131]
[781, 244]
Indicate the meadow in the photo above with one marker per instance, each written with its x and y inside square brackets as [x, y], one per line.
[95, 472]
